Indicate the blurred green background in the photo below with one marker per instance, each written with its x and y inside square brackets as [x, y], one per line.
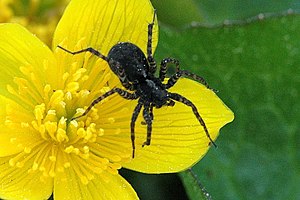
[253, 59]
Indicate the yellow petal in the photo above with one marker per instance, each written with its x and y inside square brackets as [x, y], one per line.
[17, 183]
[178, 140]
[22, 64]
[15, 140]
[15, 134]
[104, 186]
[102, 24]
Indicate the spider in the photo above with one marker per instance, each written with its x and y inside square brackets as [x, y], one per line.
[136, 72]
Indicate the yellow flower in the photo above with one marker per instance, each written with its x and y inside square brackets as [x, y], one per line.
[5, 10]
[43, 152]
[40, 17]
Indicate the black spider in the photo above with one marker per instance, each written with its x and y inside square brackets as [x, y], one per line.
[136, 73]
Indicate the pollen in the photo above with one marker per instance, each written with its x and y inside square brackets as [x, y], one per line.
[59, 143]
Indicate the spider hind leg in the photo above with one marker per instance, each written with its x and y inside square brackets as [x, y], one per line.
[179, 73]
[148, 120]
[182, 99]
[135, 114]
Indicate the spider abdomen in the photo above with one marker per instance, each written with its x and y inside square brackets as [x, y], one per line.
[131, 58]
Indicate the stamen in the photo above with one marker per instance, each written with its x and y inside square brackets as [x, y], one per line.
[56, 98]
[65, 76]
[78, 74]
[51, 128]
[106, 152]
[24, 88]
[72, 86]
[38, 156]
[44, 160]
[68, 96]
[111, 120]
[24, 125]
[35, 88]
[13, 140]
[59, 142]
[62, 135]
[27, 150]
[67, 165]
[47, 90]
[101, 132]
[80, 174]
[39, 113]
[22, 98]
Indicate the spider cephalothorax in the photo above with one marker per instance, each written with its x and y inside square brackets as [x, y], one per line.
[136, 73]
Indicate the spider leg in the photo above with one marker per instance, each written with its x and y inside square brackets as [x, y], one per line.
[135, 114]
[164, 66]
[150, 58]
[122, 93]
[147, 117]
[178, 97]
[171, 103]
[151, 114]
[89, 49]
[174, 78]
[120, 71]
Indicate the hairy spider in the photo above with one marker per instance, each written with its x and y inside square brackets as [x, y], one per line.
[136, 73]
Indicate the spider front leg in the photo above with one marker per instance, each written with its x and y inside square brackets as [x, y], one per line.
[174, 78]
[89, 49]
[150, 58]
[179, 98]
[119, 70]
[122, 93]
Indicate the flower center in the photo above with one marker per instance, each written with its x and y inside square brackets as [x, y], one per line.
[60, 143]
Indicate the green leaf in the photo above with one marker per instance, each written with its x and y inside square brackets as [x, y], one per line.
[218, 11]
[256, 69]
[182, 13]
[193, 186]
[178, 13]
